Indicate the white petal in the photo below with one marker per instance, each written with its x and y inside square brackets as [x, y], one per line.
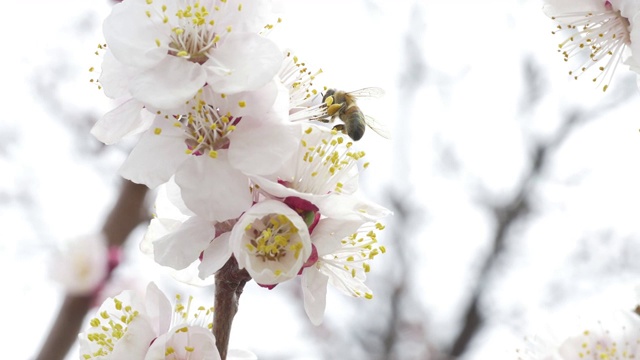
[328, 234]
[241, 354]
[350, 207]
[199, 338]
[261, 148]
[215, 256]
[158, 227]
[131, 35]
[276, 189]
[158, 308]
[168, 84]
[166, 206]
[345, 281]
[114, 77]
[183, 246]
[562, 7]
[634, 47]
[252, 18]
[314, 290]
[255, 103]
[243, 62]
[212, 188]
[628, 9]
[135, 342]
[156, 157]
[124, 120]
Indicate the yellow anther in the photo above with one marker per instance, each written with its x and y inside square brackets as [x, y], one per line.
[157, 131]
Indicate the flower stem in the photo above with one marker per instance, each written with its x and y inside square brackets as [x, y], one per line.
[230, 282]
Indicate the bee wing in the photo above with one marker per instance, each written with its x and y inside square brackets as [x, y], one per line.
[371, 92]
[377, 126]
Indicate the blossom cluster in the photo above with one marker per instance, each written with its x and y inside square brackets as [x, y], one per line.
[232, 134]
[617, 336]
[128, 327]
[597, 35]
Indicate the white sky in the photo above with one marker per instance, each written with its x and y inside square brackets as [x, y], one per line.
[470, 102]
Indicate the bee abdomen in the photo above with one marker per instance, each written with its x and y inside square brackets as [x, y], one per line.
[354, 122]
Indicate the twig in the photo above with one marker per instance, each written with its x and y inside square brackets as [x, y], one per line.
[230, 282]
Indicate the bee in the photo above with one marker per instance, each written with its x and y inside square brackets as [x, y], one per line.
[342, 104]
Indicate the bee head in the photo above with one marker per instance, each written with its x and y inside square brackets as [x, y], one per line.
[329, 92]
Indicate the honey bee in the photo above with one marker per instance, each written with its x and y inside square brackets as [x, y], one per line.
[342, 104]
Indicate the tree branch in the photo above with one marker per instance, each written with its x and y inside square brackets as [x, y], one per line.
[230, 282]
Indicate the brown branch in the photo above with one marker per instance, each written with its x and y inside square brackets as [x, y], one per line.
[124, 217]
[230, 282]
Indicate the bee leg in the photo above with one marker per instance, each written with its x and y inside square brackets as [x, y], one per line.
[341, 128]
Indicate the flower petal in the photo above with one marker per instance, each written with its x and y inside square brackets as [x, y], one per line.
[260, 148]
[114, 77]
[131, 35]
[558, 7]
[157, 155]
[241, 354]
[314, 290]
[215, 256]
[232, 68]
[168, 84]
[158, 308]
[329, 232]
[183, 246]
[198, 338]
[350, 207]
[124, 120]
[212, 188]
[247, 103]
[135, 342]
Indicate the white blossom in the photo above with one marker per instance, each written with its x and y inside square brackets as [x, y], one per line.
[82, 264]
[160, 54]
[192, 247]
[127, 327]
[596, 35]
[615, 337]
[213, 148]
[342, 261]
[271, 241]
[173, 48]
[320, 183]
